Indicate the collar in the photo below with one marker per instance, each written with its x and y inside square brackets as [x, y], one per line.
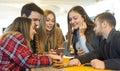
[110, 36]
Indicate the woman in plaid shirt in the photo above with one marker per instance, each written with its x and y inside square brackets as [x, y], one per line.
[15, 50]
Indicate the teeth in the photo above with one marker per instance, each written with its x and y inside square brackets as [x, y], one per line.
[49, 26]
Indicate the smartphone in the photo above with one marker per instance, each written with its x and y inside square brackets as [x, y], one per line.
[60, 51]
[87, 64]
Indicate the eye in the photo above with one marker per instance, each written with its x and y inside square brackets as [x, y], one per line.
[75, 18]
[35, 19]
[47, 19]
[53, 20]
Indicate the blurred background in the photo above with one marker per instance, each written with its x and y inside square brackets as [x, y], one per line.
[10, 9]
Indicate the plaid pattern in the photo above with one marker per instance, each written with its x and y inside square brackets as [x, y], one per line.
[15, 54]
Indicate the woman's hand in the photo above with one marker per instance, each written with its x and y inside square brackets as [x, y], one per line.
[52, 52]
[82, 28]
[80, 52]
[56, 57]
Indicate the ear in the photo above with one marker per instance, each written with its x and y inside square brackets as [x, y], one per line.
[24, 15]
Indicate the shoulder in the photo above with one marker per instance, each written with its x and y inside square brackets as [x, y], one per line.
[116, 35]
[57, 29]
[17, 35]
[11, 39]
[12, 35]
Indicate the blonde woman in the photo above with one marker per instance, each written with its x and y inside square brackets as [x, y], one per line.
[51, 35]
[15, 50]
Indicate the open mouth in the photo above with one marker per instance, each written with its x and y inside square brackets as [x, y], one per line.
[49, 27]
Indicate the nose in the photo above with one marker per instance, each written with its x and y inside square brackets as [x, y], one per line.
[50, 22]
[72, 21]
[37, 23]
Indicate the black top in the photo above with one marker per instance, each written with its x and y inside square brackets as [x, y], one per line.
[92, 45]
[109, 52]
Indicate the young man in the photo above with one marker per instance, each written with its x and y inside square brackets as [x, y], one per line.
[108, 55]
[32, 11]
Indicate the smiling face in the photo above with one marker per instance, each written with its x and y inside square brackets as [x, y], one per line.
[50, 22]
[75, 19]
[35, 16]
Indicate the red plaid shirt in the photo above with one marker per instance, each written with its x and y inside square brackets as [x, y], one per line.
[15, 54]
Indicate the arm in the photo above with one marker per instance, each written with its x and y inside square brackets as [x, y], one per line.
[114, 61]
[112, 64]
[86, 58]
[111, 60]
[20, 53]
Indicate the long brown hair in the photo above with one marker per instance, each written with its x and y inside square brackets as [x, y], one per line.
[40, 37]
[42, 34]
[21, 25]
[89, 23]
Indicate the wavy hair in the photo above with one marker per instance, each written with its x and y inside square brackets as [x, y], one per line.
[41, 37]
[90, 24]
[21, 25]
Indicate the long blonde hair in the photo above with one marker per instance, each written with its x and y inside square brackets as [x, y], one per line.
[21, 25]
[41, 37]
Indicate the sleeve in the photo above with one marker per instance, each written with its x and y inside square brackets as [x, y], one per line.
[59, 38]
[86, 58]
[98, 53]
[20, 53]
[114, 62]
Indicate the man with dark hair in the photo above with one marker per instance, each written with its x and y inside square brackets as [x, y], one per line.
[108, 55]
[32, 11]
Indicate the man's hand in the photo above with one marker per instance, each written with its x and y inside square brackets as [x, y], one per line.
[74, 62]
[98, 64]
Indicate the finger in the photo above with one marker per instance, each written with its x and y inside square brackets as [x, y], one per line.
[81, 52]
[80, 49]
[72, 62]
[60, 61]
[91, 62]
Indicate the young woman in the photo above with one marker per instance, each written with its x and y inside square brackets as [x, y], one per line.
[80, 31]
[51, 39]
[15, 50]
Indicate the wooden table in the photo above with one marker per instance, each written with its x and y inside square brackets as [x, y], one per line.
[73, 68]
